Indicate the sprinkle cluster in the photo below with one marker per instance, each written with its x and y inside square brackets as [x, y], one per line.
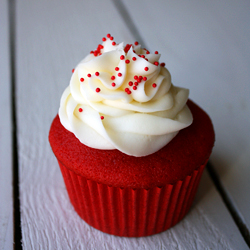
[132, 85]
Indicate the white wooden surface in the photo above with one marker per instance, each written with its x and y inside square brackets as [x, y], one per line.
[206, 47]
[201, 52]
[6, 204]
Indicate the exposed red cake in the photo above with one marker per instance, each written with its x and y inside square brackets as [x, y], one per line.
[186, 152]
[134, 196]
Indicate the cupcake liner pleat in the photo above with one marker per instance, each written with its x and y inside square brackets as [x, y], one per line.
[181, 197]
[127, 211]
[186, 199]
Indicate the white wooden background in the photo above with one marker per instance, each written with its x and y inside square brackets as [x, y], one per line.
[206, 48]
[6, 201]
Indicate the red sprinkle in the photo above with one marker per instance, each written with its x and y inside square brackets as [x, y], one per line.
[163, 64]
[108, 35]
[127, 48]
[130, 83]
[134, 88]
[119, 74]
[102, 117]
[136, 83]
[145, 78]
[136, 43]
[104, 39]
[116, 68]
[126, 89]
[113, 84]
[111, 38]
[122, 57]
[146, 68]
[140, 77]
[156, 52]
[81, 79]
[73, 70]
[127, 61]
[97, 90]
[129, 92]
[88, 75]
[142, 56]
[91, 52]
[112, 77]
[97, 73]
[80, 109]
[135, 77]
[147, 52]
[138, 80]
[114, 43]
[154, 85]
[134, 58]
[156, 63]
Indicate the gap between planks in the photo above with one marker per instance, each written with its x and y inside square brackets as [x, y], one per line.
[15, 167]
[239, 221]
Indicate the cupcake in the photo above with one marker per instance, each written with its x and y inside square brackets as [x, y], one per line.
[131, 146]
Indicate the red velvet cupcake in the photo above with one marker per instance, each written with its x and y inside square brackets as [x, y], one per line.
[130, 159]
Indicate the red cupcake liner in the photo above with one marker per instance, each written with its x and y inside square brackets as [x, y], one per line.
[130, 212]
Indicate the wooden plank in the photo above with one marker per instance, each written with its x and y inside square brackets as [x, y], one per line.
[206, 47]
[52, 37]
[6, 204]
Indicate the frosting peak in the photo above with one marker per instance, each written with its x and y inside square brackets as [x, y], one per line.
[121, 97]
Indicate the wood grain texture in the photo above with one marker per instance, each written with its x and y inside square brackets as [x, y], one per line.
[206, 47]
[6, 202]
[52, 37]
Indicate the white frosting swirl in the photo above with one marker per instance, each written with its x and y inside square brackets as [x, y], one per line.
[103, 113]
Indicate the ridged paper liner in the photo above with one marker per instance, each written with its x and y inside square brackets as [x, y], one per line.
[130, 212]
